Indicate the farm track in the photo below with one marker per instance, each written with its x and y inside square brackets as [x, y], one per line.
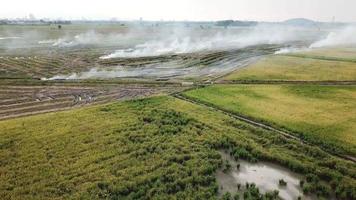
[262, 125]
[17, 101]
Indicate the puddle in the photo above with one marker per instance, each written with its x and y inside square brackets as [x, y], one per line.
[265, 175]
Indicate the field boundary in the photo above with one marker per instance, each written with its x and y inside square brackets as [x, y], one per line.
[261, 124]
[278, 82]
[321, 58]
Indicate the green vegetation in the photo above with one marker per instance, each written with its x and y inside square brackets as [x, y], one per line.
[324, 115]
[226, 196]
[157, 148]
[127, 150]
[282, 182]
[227, 166]
[253, 193]
[292, 68]
[314, 186]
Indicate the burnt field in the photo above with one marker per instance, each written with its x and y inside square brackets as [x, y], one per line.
[43, 69]
[45, 64]
[109, 51]
[52, 79]
[86, 63]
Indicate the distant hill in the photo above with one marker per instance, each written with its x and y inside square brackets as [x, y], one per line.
[300, 22]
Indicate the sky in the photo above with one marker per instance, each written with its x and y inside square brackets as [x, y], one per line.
[180, 10]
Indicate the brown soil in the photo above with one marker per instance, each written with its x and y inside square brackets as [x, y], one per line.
[16, 101]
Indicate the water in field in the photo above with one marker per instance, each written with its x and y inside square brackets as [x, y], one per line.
[265, 175]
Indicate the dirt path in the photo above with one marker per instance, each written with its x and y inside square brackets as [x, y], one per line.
[262, 125]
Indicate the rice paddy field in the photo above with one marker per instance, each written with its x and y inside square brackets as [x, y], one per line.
[322, 114]
[297, 67]
[143, 111]
[335, 53]
[155, 148]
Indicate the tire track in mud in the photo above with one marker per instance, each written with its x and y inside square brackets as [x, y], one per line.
[259, 124]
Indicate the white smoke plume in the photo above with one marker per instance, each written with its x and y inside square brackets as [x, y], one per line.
[163, 70]
[291, 50]
[187, 42]
[119, 72]
[344, 37]
[17, 39]
[88, 38]
[8, 38]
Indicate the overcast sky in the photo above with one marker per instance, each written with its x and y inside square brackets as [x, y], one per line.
[261, 10]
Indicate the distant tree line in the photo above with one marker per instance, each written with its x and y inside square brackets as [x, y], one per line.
[227, 23]
[33, 22]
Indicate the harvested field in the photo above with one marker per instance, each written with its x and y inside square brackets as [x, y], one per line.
[76, 63]
[46, 64]
[25, 100]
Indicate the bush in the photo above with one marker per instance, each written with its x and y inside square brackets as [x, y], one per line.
[226, 196]
[282, 182]
[227, 166]
[236, 197]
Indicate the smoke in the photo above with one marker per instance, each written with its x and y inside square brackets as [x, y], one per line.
[344, 37]
[152, 41]
[8, 38]
[287, 50]
[29, 38]
[184, 41]
[167, 46]
[88, 38]
[163, 70]
[120, 72]
[17, 39]
[178, 67]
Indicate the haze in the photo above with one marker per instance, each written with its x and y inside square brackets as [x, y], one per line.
[196, 10]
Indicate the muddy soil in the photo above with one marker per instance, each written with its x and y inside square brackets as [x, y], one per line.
[16, 101]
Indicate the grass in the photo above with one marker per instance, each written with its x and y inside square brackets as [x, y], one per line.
[157, 148]
[346, 54]
[322, 114]
[290, 68]
[82, 153]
